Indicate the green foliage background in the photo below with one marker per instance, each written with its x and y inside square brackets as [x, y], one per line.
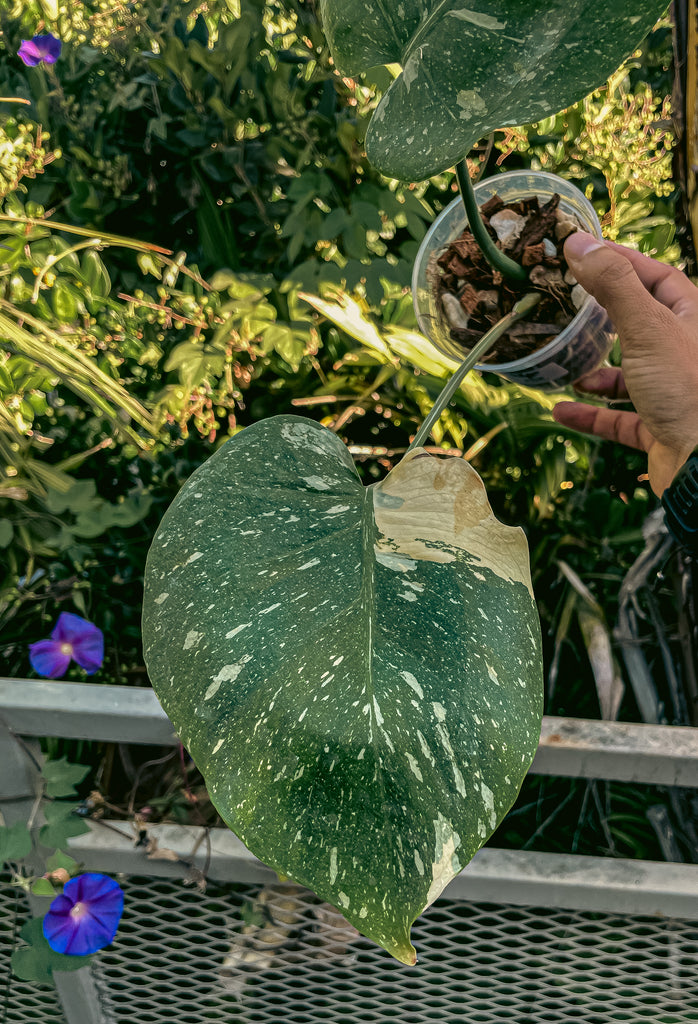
[205, 162]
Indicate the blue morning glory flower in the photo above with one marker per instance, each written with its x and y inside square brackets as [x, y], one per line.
[72, 637]
[84, 918]
[44, 49]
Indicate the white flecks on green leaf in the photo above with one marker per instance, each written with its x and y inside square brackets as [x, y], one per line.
[192, 639]
[468, 70]
[388, 735]
[477, 18]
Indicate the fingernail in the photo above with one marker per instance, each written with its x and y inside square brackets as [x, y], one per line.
[579, 244]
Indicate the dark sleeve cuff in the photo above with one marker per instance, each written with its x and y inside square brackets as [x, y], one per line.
[680, 502]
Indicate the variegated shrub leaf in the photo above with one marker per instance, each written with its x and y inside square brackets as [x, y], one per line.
[356, 671]
[470, 66]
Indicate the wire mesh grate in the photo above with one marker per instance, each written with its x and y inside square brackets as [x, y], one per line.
[21, 1002]
[275, 955]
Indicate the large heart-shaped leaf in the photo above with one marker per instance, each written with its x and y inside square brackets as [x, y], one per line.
[356, 671]
[470, 66]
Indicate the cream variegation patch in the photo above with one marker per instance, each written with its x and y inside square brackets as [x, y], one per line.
[433, 510]
[445, 865]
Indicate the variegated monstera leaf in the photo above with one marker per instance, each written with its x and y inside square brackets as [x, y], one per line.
[356, 671]
[470, 66]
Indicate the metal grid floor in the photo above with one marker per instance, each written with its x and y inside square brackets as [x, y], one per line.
[21, 1002]
[275, 955]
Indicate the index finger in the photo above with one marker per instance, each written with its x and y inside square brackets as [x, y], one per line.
[666, 284]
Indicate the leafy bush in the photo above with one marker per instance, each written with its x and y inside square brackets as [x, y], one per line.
[224, 140]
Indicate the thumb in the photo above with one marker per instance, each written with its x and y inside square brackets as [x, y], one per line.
[605, 273]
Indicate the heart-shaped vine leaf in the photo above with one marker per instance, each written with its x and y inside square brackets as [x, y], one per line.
[470, 66]
[356, 671]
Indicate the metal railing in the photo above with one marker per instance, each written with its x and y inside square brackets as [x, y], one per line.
[517, 936]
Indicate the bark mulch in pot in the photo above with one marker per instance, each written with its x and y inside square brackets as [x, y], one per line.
[473, 296]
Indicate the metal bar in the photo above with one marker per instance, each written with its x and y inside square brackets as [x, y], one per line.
[85, 711]
[514, 877]
[662, 755]
[79, 998]
[619, 751]
[77, 991]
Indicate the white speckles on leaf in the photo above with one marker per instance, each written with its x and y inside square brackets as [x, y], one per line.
[411, 70]
[161, 597]
[414, 767]
[425, 748]
[444, 739]
[394, 561]
[479, 19]
[195, 557]
[238, 629]
[352, 723]
[227, 674]
[305, 436]
[446, 864]
[476, 49]
[488, 800]
[309, 565]
[412, 682]
[192, 639]
[317, 483]
[471, 104]
[213, 689]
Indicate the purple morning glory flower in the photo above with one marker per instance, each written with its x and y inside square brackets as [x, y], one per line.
[40, 50]
[84, 918]
[72, 637]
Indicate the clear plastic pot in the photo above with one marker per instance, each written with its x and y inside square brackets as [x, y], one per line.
[579, 348]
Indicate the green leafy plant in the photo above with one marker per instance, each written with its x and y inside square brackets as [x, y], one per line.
[34, 852]
[256, 168]
[620, 132]
[465, 71]
[364, 701]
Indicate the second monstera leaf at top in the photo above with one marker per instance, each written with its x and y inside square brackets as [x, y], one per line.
[470, 66]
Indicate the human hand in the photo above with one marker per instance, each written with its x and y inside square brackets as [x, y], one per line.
[654, 309]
